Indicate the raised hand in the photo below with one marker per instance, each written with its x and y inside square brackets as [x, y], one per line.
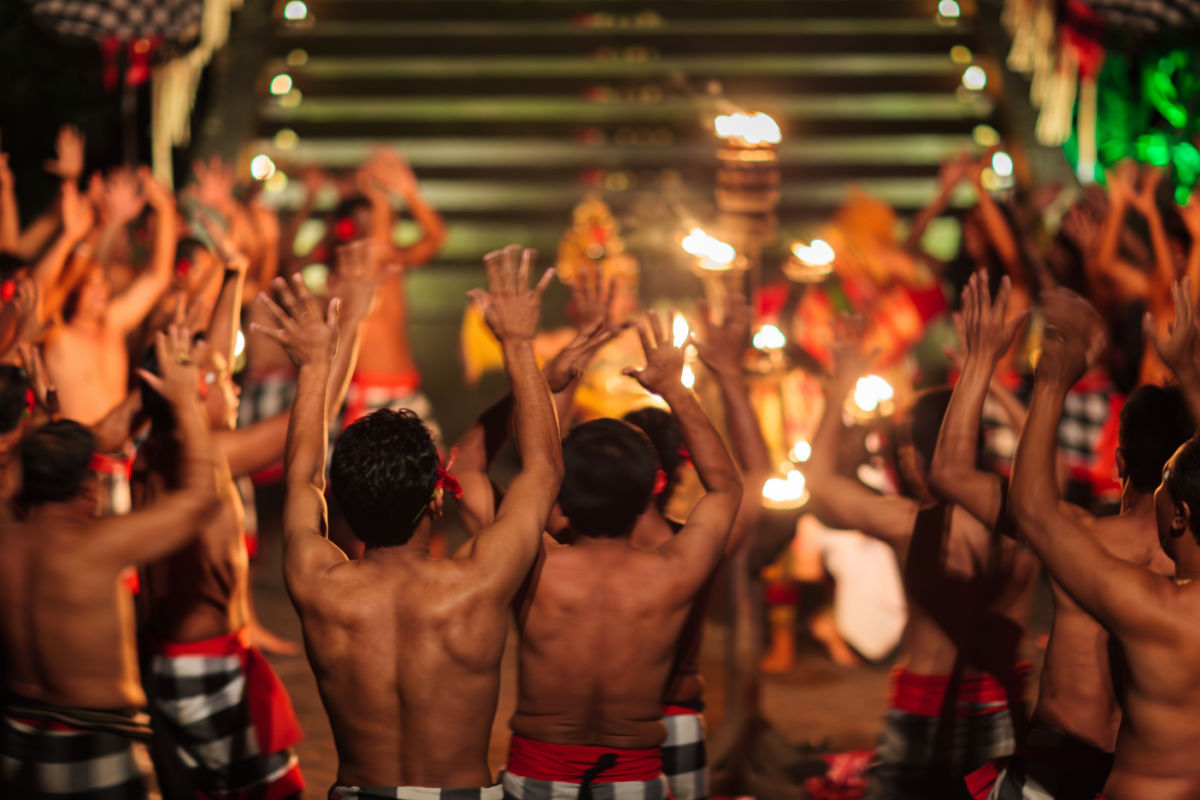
[1144, 199]
[592, 299]
[77, 213]
[985, 333]
[361, 270]
[664, 361]
[1180, 349]
[721, 346]
[1074, 339]
[1121, 181]
[308, 334]
[572, 360]
[954, 171]
[157, 195]
[214, 183]
[122, 198]
[25, 304]
[44, 391]
[226, 249]
[178, 381]
[69, 164]
[510, 308]
[392, 171]
[1190, 214]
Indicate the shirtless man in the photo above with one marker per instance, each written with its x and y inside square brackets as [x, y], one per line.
[1067, 752]
[1153, 618]
[685, 759]
[405, 647]
[956, 700]
[67, 621]
[601, 618]
[200, 618]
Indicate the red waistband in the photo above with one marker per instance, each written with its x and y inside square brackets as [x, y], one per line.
[112, 464]
[976, 694]
[47, 725]
[679, 711]
[408, 381]
[230, 644]
[543, 761]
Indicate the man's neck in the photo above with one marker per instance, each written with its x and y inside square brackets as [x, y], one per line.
[418, 544]
[1187, 559]
[87, 324]
[1135, 503]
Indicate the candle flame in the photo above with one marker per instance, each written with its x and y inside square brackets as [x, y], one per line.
[756, 128]
[716, 254]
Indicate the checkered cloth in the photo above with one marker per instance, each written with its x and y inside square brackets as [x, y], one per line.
[341, 792]
[928, 745]
[230, 717]
[47, 758]
[1050, 764]
[685, 761]
[267, 393]
[539, 770]
[518, 788]
[175, 20]
[1148, 16]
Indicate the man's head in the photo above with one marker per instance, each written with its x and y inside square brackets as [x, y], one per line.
[1154, 421]
[917, 436]
[609, 473]
[54, 463]
[89, 301]
[351, 220]
[663, 432]
[383, 476]
[1177, 499]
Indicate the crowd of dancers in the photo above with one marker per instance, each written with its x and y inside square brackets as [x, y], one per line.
[126, 613]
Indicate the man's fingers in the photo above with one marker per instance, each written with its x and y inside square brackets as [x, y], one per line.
[333, 312]
[528, 256]
[1011, 330]
[644, 335]
[270, 305]
[544, 283]
[152, 380]
[492, 268]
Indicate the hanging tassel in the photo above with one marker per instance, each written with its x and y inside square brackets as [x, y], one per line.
[1085, 168]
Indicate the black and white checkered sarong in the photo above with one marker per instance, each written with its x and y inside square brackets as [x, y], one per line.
[342, 792]
[519, 788]
[685, 760]
[43, 759]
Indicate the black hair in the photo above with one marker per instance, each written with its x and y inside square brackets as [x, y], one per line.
[54, 462]
[662, 429]
[1153, 423]
[383, 474]
[1184, 481]
[14, 396]
[924, 419]
[609, 473]
[11, 265]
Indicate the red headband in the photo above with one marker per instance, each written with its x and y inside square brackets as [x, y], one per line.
[446, 481]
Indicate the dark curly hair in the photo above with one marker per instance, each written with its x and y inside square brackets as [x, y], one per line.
[14, 395]
[1153, 422]
[663, 431]
[54, 462]
[610, 468]
[384, 471]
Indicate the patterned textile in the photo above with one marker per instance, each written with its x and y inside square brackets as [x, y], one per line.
[230, 717]
[685, 760]
[928, 745]
[340, 792]
[112, 471]
[48, 758]
[175, 20]
[1151, 16]
[544, 771]
[1050, 764]
[267, 393]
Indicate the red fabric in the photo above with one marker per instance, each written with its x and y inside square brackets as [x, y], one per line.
[356, 398]
[543, 761]
[929, 301]
[678, 711]
[112, 465]
[977, 694]
[270, 706]
[980, 782]
[130, 580]
[782, 594]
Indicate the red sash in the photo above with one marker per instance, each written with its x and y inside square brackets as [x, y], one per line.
[977, 694]
[543, 761]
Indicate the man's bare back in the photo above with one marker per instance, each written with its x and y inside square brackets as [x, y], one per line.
[599, 596]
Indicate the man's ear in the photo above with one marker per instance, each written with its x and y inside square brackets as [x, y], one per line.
[1121, 467]
[1182, 519]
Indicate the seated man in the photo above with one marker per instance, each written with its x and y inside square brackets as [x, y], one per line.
[1067, 752]
[74, 695]
[956, 699]
[601, 619]
[405, 647]
[1154, 619]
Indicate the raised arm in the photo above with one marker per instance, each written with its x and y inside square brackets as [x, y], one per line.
[226, 317]
[842, 502]
[697, 548]
[130, 307]
[954, 473]
[310, 339]
[1119, 594]
[77, 216]
[721, 349]
[953, 171]
[1180, 350]
[395, 175]
[168, 523]
[505, 550]
[10, 225]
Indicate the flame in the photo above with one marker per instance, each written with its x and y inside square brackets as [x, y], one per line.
[817, 254]
[801, 451]
[769, 337]
[687, 377]
[872, 391]
[679, 330]
[786, 492]
[716, 254]
[262, 167]
[756, 128]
